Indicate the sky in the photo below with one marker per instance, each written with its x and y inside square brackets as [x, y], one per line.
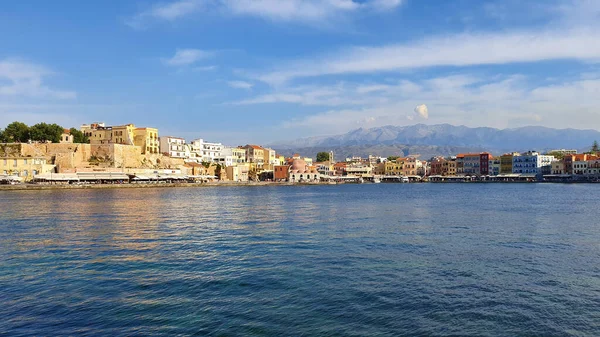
[263, 71]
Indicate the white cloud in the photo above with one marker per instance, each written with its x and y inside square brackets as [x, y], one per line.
[240, 85]
[206, 68]
[26, 79]
[502, 101]
[422, 111]
[166, 12]
[305, 11]
[453, 50]
[184, 57]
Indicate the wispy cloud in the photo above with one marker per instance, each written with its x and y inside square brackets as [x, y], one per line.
[240, 85]
[303, 11]
[205, 68]
[184, 57]
[454, 50]
[498, 101]
[166, 12]
[26, 79]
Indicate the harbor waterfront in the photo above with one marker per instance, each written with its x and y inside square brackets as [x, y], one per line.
[343, 260]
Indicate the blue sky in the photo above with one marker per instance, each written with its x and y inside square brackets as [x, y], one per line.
[240, 71]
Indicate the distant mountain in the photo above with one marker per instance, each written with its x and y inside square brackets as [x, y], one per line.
[443, 139]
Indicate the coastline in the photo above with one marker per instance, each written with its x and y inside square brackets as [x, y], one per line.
[40, 187]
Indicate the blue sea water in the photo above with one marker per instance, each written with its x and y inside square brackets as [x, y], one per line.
[344, 260]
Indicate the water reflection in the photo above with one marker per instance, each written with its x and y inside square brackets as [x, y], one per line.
[346, 260]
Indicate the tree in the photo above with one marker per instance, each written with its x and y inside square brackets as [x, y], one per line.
[46, 132]
[78, 136]
[595, 147]
[16, 132]
[392, 158]
[2, 136]
[323, 156]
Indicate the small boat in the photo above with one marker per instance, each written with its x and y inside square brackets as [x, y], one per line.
[376, 180]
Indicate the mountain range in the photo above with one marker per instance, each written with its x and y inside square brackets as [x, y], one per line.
[441, 139]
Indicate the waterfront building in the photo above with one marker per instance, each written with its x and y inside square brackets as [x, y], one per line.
[379, 168]
[255, 155]
[203, 151]
[557, 167]
[506, 163]
[281, 172]
[593, 167]
[460, 164]
[25, 167]
[392, 168]
[580, 163]
[340, 168]
[66, 137]
[437, 166]
[532, 163]
[325, 168]
[494, 166]
[174, 147]
[225, 157]
[408, 166]
[576, 159]
[450, 166]
[238, 173]
[471, 164]
[269, 159]
[359, 169]
[147, 140]
[239, 155]
[300, 171]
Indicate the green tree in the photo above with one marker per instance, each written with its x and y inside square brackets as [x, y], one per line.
[595, 147]
[16, 132]
[78, 136]
[392, 158]
[557, 155]
[46, 132]
[323, 156]
[2, 136]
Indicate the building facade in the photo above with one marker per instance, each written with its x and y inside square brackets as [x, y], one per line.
[174, 147]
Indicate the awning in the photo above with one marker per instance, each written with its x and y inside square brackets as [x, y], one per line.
[57, 177]
[102, 176]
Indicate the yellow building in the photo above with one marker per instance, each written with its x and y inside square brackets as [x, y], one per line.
[256, 155]
[147, 139]
[25, 167]
[270, 159]
[122, 134]
[392, 168]
[239, 155]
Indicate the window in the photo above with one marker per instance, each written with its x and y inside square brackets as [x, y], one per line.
[15, 163]
[25, 161]
[25, 173]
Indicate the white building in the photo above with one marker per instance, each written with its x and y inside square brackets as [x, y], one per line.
[226, 158]
[174, 147]
[532, 163]
[201, 151]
